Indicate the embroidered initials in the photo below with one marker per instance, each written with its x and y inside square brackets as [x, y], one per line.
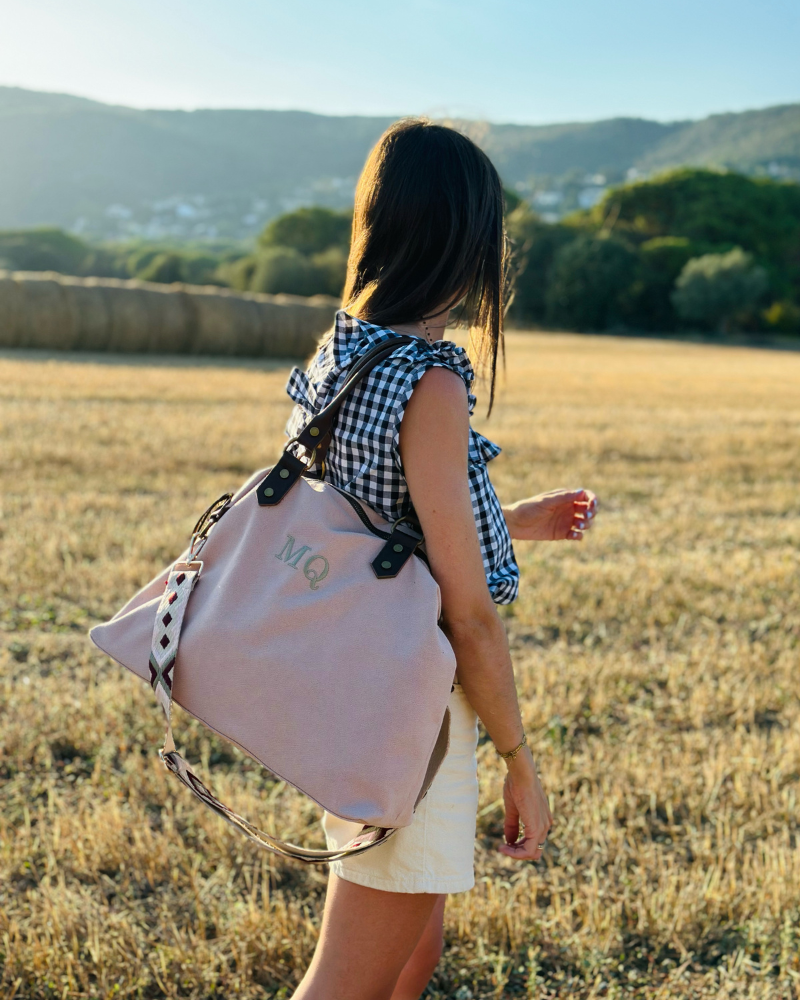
[288, 555]
[315, 568]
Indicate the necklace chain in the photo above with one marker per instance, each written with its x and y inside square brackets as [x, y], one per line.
[427, 331]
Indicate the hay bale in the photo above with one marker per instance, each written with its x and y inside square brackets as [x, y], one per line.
[45, 322]
[130, 320]
[251, 324]
[175, 320]
[50, 311]
[171, 317]
[89, 309]
[11, 310]
[294, 324]
[224, 323]
[146, 318]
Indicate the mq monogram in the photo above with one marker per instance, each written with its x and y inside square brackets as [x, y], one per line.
[315, 568]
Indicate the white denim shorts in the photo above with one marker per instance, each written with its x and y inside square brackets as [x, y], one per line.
[436, 852]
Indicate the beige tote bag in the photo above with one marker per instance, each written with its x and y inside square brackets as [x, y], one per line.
[304, 629]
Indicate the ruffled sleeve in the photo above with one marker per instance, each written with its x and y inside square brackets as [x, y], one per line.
[309, 393]
[298, 388]
[417, 359]
[481, 449]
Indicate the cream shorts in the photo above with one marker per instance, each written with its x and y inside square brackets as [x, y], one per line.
[435, 853]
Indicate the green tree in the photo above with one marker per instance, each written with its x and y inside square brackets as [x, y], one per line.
[590, 280]
[714, 208]
[715, 290]
[331, 266]
[661, 260]
[783, 317]
[285, 270]
[309, 230]
[165, 268]
[534, 245]
[140, 259]
[236, 272]
[43, 250]
[200, 269]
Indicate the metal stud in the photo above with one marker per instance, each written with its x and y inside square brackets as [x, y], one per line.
[313, 431]
[268, 492]
[386, 564]
[284, 473]
[398, 547]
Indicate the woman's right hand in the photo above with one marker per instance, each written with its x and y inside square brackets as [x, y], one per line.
[527, 808]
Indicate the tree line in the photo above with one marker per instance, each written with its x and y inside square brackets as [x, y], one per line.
[691, 249]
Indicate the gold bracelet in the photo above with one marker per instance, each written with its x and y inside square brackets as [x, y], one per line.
[512, 754]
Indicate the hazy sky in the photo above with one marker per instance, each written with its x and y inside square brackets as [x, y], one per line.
[504, 60]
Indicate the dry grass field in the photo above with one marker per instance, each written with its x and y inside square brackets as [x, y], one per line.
[657, 662]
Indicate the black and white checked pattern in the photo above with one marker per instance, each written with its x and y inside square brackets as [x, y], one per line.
[364, 456]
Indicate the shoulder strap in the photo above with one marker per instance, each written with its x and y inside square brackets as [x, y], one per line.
[315, 437]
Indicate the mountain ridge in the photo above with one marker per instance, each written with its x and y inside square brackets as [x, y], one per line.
[112, 172]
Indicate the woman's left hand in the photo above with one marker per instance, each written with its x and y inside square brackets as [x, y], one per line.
[559, 514]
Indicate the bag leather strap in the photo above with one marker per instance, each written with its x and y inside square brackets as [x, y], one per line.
[169, 619]
[315, 437]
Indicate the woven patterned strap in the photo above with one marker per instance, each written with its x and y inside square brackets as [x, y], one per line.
[163, 654]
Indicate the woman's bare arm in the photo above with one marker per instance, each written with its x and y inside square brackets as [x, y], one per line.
[434, 443]
[552, 516]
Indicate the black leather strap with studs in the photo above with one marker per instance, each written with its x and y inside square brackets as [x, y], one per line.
[316, 435]
[401, 544]
[280, 480]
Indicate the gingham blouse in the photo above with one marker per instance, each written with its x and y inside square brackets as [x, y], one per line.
[364, 455]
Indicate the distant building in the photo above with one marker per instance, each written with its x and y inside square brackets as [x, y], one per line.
[590, 196]
[548, 199]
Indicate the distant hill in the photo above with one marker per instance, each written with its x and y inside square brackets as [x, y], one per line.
[113, 172]
[767, 139]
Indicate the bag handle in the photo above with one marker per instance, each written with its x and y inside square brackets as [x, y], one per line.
[164, 650]
[315, 437]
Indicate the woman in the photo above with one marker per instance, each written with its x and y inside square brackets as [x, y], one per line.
[427, 235]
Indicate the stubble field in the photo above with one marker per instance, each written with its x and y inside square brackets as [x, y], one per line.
[657, 664]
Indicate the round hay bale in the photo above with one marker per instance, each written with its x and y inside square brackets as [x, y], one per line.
[287, 333]
[50, 311]
[172, 317]
[131, 318]
[250, 339]
[46, 323]
[87, 302]
[211, 333]
[11, 310]
[302, 321]
[275, 331]
[225, 323]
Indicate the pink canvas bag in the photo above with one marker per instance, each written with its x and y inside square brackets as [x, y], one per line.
[303, 629]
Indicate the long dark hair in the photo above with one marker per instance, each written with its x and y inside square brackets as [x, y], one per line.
[428, 233]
